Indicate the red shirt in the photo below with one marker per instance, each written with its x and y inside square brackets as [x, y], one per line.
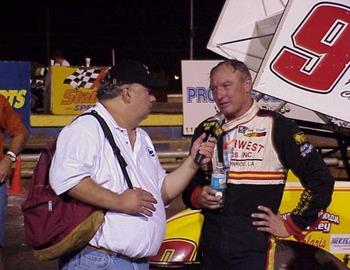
[10, 122]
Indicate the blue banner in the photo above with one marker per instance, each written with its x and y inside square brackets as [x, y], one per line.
[15, 86]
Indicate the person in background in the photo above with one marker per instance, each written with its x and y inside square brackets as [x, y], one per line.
[10, 123]
[59, 59]
[258, 148]
[85, 168]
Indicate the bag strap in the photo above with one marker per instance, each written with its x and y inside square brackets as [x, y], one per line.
[115, 148]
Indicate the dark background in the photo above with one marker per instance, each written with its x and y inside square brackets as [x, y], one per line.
[154, 32]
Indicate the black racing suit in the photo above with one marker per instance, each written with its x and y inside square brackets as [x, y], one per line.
[258, 149]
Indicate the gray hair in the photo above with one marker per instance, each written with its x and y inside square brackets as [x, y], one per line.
[108, 90]
[235, 65]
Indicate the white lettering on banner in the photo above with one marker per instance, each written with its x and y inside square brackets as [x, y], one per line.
[324, 226]
[332, 218]
[327, 220]
[199, 95]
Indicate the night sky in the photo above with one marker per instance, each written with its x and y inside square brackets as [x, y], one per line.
[152, 31]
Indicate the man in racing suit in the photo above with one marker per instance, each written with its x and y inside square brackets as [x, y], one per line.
[257, 148]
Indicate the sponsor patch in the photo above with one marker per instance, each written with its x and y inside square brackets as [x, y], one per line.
[213, 127]
[151, 152]
[242, 129]
[305, 149]
[251, 132]
[255, 134]
[299, 137]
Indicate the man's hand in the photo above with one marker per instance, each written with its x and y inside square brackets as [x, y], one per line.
[269, 222]
[5, 166]
[207, 198]
[176, 181]
[131, 201]
[204, 148]
[137, 202]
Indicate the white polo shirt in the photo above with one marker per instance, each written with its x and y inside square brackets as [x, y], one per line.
[83, 150]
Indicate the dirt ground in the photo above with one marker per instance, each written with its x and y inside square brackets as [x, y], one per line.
[17, 255]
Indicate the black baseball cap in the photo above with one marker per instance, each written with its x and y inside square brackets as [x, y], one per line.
[130, 71]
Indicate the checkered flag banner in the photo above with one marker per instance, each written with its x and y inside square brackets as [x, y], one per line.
[83, 78]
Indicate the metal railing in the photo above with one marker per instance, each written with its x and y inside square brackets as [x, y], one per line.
[170, 161]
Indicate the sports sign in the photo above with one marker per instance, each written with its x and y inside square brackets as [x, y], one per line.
[197, 100]
[308, 60]
[15, 86]
[73, 89]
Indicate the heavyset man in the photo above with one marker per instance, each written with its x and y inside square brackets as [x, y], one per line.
[85, 167]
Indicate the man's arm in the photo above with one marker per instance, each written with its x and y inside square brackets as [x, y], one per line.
[16, 146]
[14, 126]
[198, 194]
[17, 142]
[176, 181]
[131, 201]
[301, 157]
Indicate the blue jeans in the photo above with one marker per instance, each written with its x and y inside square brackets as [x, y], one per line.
[3, 206]
[90, 258]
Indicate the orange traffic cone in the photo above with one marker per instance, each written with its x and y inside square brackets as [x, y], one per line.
[16, 181]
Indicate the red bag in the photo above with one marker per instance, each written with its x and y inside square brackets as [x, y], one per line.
[56, 225]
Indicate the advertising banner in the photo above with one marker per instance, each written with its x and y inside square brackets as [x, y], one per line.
[15, 86]
[308, 60]
[333, 232]
[197, 100]
[73, 89]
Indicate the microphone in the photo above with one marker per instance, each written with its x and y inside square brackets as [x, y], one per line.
[212, 128]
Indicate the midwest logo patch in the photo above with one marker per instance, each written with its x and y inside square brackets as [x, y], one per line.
[299, 138]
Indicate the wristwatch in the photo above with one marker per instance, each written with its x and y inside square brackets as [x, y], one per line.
[11, 155]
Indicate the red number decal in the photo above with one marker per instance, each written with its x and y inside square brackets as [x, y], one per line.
[176, 250]
[322, 50]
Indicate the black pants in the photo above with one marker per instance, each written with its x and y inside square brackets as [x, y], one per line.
[232, 243]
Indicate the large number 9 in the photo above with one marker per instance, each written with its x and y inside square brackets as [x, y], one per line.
[322, 50]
